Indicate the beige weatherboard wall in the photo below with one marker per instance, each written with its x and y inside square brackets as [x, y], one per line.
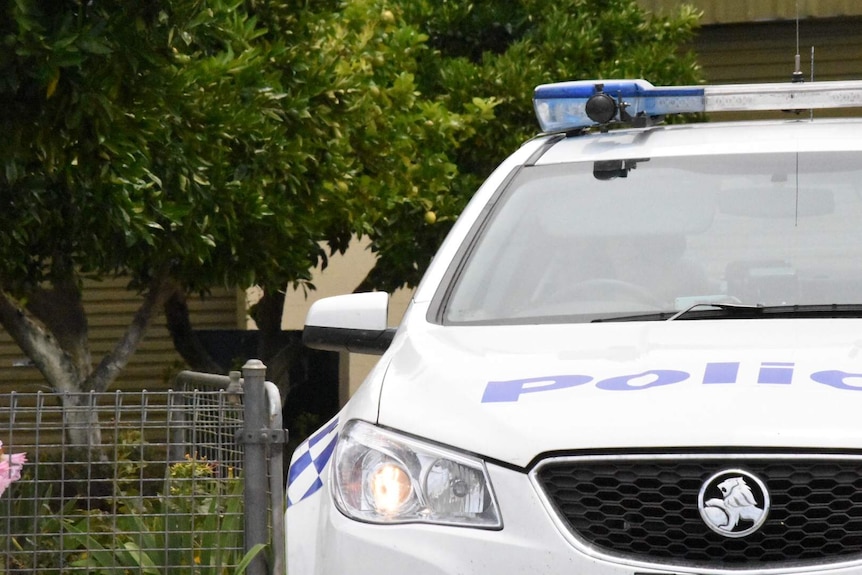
[110, 308]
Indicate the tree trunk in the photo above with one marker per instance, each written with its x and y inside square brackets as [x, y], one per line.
[272, 349]
[52, 332]
[186, 341]
[65, 370]
[83, 432]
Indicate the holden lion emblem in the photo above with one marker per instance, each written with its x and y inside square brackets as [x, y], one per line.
[733, 503]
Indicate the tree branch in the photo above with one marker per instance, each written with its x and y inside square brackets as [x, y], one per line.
[277, 353]
[39, 345]
[161, 287]
[60, 309]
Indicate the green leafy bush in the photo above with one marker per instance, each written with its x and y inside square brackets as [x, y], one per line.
[195, 523]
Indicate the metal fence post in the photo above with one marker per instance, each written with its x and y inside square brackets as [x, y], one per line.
[255, 438]
[275, 455]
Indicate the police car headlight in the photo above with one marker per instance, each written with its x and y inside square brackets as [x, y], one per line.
[385, 477]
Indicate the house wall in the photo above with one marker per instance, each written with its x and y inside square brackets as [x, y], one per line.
[764, 51]
[110, 308]
[341, 276]
[742, 41]
[749, 11]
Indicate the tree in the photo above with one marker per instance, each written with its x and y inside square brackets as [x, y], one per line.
[185, 144]
[358, 130]
[182, 145]
[481, 60]
[498, 51]
[118, 120]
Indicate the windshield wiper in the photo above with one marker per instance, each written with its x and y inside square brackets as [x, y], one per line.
[702, 310]
[729, 309]
[715, 310]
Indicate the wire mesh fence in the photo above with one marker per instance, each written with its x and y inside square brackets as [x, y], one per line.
[143, 482]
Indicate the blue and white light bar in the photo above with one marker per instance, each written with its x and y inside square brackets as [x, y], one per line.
[568, 106]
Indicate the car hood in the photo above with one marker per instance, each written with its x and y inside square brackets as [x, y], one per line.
[512, 393]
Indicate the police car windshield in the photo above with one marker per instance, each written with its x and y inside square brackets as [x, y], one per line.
[565, 245]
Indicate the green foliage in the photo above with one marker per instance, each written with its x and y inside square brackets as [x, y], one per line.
[33, 527]
[227, 142]
[152, 519]
[224, 141]
[197, 526]
[129, 130]
[489, 55]
[373, 147]
[216, 140]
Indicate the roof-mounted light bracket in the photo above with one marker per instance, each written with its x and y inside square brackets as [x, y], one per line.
[601, 108]
[604, 110]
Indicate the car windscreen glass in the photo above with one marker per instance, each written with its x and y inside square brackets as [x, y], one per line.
[567, 243]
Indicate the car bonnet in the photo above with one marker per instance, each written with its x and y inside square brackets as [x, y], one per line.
[513, 393]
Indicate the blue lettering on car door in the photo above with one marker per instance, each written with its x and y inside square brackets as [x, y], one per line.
[506, 391]
[652, 378]
[838, 378]
[714, 373]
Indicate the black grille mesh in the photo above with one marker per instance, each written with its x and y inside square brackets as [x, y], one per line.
[647, 510]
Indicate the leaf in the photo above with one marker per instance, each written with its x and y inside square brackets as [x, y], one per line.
[144, 562]
[52, 85]
[11, 171]
[248, 558]
[94, 46]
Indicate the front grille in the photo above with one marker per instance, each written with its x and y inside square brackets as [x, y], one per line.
[647, 509]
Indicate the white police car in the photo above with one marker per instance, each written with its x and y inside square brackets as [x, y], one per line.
[639, 351]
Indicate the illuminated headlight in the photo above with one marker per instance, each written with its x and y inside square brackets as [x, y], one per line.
[384, 477]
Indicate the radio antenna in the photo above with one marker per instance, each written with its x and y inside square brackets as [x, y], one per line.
[797, 70]
[812, 63]
[811, 111]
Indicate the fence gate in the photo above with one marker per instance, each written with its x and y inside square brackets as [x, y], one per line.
[144, 482]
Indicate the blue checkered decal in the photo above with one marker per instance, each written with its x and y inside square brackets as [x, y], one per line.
[308, 462]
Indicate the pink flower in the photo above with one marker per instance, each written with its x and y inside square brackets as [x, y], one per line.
[10, 468]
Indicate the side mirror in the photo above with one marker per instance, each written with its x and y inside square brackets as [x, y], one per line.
[355, 323]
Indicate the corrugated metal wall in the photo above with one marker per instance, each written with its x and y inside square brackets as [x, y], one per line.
[736, 11]
[110, 308]
[764, 52]
[750, 41]
[755, 40]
